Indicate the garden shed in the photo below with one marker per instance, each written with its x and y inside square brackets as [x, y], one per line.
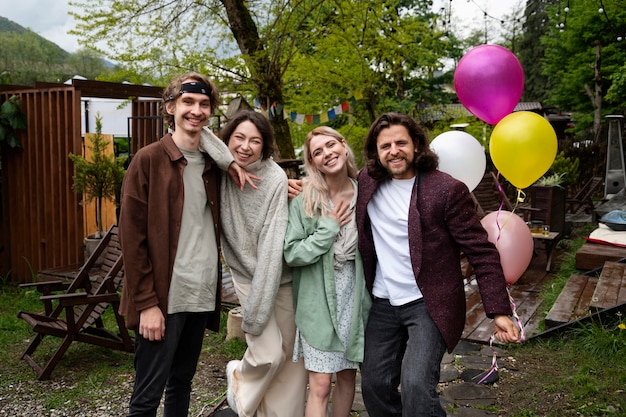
[42, 220]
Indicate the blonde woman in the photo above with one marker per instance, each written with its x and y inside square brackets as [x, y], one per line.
[330, 298]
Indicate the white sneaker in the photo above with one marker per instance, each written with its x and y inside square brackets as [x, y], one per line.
[230, 395]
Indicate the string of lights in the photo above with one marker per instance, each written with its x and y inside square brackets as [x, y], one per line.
[448, 12]
[562, 13]
[601, 10]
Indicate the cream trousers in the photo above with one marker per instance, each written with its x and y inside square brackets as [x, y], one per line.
[267, 381]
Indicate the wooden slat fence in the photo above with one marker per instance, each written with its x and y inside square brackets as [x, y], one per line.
[42, 220]
[42, 224]
[147, 125]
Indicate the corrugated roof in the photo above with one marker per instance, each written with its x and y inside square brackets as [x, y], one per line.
[457, 110]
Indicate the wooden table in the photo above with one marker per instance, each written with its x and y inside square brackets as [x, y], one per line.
[550, 240]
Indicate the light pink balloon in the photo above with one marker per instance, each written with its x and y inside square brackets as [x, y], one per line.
[489, 81]
[513, 240]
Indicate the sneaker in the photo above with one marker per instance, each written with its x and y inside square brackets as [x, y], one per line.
[230, 395]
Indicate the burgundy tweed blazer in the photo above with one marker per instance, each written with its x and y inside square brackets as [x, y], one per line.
[442, 223]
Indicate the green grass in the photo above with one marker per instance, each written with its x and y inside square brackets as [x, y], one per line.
[583, 368]
[579, 372]
[85, 373]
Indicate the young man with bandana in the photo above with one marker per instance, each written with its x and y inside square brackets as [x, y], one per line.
[169, 232]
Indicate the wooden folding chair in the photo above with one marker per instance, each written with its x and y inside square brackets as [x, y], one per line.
[582, 202]
[75, 313]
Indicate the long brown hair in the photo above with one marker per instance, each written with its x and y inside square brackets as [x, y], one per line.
[425, 159]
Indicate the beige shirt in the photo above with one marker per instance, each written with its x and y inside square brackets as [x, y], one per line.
[194, 277]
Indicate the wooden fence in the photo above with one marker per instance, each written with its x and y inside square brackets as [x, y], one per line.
[42, 219]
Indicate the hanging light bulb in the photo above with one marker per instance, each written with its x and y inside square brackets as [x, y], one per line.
[566, 9]
[619, 38]
[600, 10]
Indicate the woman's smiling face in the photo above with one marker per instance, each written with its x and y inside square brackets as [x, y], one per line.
[328, 154]
[246, 144]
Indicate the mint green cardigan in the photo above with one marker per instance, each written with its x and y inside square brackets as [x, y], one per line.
[309, 250]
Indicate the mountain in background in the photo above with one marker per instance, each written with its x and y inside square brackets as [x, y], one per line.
[27, 58]
[10, 26]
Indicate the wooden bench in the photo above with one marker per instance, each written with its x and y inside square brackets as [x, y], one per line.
[594, 255]
[573, 301]
[590, 293]
[611, 288]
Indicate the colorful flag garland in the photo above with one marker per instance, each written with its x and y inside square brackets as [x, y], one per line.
[277, 109]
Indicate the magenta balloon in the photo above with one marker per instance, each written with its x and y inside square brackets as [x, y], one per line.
[489, 81]
[513, 240]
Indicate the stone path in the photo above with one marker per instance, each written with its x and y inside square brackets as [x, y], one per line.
[460, 395]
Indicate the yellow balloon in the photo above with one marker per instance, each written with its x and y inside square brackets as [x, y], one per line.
[523, 146]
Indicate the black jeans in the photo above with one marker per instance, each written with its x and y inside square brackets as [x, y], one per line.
[403, 348]
[169, 365]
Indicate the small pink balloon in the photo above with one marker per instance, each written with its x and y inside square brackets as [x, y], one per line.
[489, 81]
[513, 240]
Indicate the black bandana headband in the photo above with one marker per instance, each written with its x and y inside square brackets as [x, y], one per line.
[193, 87]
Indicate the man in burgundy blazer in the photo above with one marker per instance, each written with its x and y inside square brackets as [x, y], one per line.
[413, 223]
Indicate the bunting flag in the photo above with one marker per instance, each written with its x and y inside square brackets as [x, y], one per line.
[279, 110]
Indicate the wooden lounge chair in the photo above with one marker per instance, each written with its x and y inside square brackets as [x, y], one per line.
[73, 309]
[582, 202]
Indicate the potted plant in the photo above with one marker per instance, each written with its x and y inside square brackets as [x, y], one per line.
[11, 119]
[100, 177]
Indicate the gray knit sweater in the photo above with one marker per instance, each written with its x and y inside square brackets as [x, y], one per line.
[254, 223]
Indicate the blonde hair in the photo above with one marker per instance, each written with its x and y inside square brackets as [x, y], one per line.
[315, 191]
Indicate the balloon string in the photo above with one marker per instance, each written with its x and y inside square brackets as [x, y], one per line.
[522, 334]
[521, 196]
[518, 321]
[494, 361]
[500, 227]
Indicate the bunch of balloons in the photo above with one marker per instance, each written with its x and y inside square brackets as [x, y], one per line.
[489, 81]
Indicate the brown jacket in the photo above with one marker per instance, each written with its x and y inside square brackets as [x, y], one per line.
[150, 216]
[442, 223]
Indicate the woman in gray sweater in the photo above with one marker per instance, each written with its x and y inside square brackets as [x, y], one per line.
[265, 381]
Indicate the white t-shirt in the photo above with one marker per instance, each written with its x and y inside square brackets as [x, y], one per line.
[389, 214]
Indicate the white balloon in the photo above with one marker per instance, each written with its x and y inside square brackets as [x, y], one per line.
[461, 156]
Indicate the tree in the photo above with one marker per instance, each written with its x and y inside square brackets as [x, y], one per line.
[161, 37]
[29, 58]
[532, 50]
[388, 52]
[99, 177]
[88, 63]
[583, 51]
[385, 54]
[282, 53]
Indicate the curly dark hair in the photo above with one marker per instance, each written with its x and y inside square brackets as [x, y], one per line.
[171, 92]
[262, 124]
[425, 159]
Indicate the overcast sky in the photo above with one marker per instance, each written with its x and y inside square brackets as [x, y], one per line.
[49, 18]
